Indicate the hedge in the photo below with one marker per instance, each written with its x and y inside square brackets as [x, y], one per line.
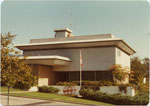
[118, 99]
[48, 89]
[95, 85]
[88, 83]
[66, 84]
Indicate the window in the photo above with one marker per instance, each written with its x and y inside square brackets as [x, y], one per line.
[86, 75]
[74, 76]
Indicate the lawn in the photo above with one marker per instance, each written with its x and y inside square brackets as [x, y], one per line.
[5, 89]
[50, 96]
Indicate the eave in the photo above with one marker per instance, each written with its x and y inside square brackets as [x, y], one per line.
[52, 60]
[117, 42]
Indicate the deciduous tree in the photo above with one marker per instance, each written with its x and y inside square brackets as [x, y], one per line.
[118, 72]
[140, 69]
[14, 71]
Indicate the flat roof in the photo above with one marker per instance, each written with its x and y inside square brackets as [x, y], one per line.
[83, 41]
[73, 38]
[78, 44]
[66, 42]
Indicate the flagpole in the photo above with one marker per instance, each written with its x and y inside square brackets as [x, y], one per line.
[80, 71]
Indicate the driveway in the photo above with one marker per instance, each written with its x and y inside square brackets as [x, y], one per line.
[27, 101]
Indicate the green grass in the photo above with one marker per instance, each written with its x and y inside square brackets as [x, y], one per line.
[5, 89]
[50, 96]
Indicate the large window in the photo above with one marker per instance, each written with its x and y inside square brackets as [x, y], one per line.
[74, 76]
[86, 75]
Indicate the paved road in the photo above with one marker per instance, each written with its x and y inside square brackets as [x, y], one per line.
[27, 101]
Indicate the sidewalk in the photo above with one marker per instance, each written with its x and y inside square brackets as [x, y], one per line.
[28, 101]
[15, 92]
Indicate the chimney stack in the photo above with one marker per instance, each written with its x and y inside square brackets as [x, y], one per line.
[62, 33]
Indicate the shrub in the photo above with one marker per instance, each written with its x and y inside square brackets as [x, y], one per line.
[143, 87]
[66, 83]
[98, 83]
[89, 84]
[118, 72]
[106, 83]
[76, 82]
[94, 83]
[123, 88]
[48, 89]
[20, 85]
[118, 99]
[114, 83]
[90, 87]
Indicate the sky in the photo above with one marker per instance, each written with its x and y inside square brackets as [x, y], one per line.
[129, 20]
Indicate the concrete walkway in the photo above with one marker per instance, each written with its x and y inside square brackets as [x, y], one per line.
[27, 101]
[15, 92]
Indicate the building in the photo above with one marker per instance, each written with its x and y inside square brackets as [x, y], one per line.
[57, 59]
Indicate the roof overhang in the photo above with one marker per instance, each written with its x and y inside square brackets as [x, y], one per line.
[47, 60]
[78, 44]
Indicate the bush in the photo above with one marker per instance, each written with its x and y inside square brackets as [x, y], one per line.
[66, 83]
[107, 83]
[118, 99]
[123, 88]
[26, 84]
[118, 72]
[48, 89]
[88, 83]
[76, 82]
[95, 85]
[143, 87]
[19, 85]
[90, 87]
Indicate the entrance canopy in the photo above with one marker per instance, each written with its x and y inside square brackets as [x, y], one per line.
[53, 60]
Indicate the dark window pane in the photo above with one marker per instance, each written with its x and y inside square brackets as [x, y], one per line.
[90, 75]
[84, 75]
[99, 75]
[74, 76]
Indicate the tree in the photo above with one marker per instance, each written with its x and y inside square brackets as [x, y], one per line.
[140, 69]
[146, 62]
[118, 72]
[14, 71]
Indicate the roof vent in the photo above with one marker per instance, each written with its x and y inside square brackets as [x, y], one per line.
[61, 33]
